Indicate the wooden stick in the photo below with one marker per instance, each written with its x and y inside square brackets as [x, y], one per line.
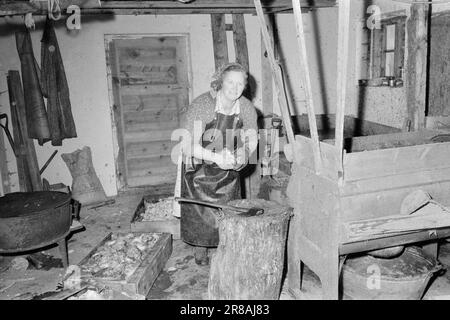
[48, 162]
[342, 62]
[277, 75]
[304, 68]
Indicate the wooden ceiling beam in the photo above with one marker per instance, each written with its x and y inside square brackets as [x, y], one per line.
[10, 8]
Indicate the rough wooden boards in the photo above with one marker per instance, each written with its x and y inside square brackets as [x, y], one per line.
[306, 159]
[219, 40]
[410, 159]
[313, 235]
[266, 73]
[439, 74]
[240, 40]
[116, 103]
[416, 75]
[390, 140]
[431, 216]
[141, 281]
[156, 7]
[148, 79]
[29, 176]
[392, 241]
[4, 176]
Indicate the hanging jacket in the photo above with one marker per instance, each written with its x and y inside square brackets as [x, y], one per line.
[37, 122]
[55, 88]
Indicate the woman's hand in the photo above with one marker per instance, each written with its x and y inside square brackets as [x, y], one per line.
[225, 160]
[241, 159]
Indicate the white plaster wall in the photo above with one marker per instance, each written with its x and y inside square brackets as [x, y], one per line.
[84, 59]
[320, 29]
[380, 104]
[384, 105]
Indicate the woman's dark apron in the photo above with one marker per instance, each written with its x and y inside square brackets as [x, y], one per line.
[207, 182]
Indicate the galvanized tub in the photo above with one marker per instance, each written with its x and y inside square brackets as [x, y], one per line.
[403, 278]
[32, 220]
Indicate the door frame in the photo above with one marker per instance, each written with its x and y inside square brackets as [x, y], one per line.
[115, 112]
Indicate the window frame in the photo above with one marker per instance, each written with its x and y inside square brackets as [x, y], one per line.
[375, 64]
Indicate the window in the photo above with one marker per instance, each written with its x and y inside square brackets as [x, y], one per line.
[383, 50]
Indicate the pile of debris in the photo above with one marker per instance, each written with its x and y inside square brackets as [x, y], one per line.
[159, 210]
[119, 257]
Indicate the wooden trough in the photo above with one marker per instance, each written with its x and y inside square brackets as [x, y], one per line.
[380, 172]
[140, 282]
[348, 180]
[171, 226]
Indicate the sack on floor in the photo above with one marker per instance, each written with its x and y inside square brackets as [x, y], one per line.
[86, 187]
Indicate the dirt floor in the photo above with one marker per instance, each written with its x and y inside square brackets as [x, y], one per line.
[181, 279]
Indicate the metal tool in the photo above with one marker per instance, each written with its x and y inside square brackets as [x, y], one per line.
[244, 212]
[8, 134]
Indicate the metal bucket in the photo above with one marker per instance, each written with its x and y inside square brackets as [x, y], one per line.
[32, 220]
[403, 278]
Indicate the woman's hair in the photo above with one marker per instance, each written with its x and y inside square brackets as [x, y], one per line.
[217, 78]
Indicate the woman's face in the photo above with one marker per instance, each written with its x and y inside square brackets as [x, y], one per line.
[233, 84]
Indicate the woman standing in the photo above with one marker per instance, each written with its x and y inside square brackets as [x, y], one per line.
[223, 125]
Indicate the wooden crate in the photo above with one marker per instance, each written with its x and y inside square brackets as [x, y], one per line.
[142, 279]
[169, 226]
[379, 172]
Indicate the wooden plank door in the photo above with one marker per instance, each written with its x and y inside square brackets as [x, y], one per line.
[150, 86]
[439, 74]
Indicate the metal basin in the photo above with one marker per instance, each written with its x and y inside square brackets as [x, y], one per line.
[32, 220]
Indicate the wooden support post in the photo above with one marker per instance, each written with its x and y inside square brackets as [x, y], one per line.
[277, 75]
[4, 176]
[342, 63]
[253, 180]
[416, 72]
[29, 179]
[266, 72]
[219, 40]
[240, 40]
[304, 69]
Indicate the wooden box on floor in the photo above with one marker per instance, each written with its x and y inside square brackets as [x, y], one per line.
[169, 226]
[142, 279]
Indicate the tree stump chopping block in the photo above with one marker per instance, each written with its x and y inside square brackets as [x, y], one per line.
[249, 260]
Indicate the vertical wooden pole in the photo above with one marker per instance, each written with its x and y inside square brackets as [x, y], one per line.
[266, 73]
[4, 176]
[240, 40]
[219, 40]
[252, 181]
[342, 67]
[277, 75]
[416, 75]
[304, 69]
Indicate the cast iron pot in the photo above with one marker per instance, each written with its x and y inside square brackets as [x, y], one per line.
[32, 220]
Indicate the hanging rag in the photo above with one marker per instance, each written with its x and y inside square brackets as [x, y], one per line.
[55, 88]
[36, 114]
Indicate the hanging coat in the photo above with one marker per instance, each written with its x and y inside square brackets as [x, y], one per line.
[55, 88]
[36, 114]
